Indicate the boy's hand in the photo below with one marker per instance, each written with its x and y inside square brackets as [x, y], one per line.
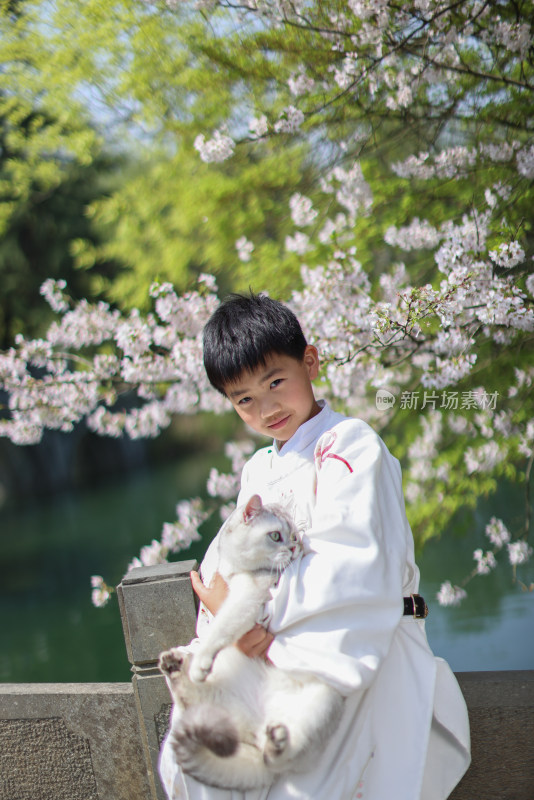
[256, 642]
[214, 595]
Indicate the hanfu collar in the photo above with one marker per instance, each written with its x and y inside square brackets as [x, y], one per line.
[309, 432]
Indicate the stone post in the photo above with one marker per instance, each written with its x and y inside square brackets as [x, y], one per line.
[158, 611]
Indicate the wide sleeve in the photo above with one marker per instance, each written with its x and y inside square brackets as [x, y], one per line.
[335, 611]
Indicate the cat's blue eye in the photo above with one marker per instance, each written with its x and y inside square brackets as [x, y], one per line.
[276, 536]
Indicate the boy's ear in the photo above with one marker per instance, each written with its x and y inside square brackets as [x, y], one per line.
[311, 360]
[252, 507]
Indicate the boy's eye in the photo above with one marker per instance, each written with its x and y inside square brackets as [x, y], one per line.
[276, 536]
[243, 401]
[276, 383]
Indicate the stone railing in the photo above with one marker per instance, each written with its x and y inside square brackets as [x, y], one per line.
[101, 741]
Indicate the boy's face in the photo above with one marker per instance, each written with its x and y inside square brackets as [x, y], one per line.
[277, 398]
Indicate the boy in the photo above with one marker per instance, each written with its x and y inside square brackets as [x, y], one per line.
[346, 611]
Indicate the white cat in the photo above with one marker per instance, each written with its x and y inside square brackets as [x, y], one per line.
[243, 721]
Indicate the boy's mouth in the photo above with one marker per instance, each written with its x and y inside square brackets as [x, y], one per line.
[274, 426]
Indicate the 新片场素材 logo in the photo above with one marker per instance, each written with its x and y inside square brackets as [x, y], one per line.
[384, 400]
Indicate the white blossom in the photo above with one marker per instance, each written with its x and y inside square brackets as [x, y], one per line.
[497, 532]
[450, 595]
[452, 341]
[485, 561]
[483, 458]
[106, 422]
[153, 553]
[244, 248]
[21, 431]
[219, 148]
[84, 325]
[516, 37]
[519, 552]
[258, 126]
[289, 121]
[299, 243]
[448, 371]
[175, 538]
[302, 211]
[525, 162]
[209, 281]
[299, 83]
[508, 255]
[146, 422]
[221, 485]
[417, 235]
[238, 453]
[346, 74]
[52, 291]
[332, 227]
[134, 336]
[353, 191]
[448, 163]
[36, 351]
[101, 593]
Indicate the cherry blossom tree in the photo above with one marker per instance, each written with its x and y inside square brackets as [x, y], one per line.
[414, 248]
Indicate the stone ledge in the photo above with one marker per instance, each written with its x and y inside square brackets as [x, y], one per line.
[90, 689]
[174, 569]
[501, 713]
[71, 742]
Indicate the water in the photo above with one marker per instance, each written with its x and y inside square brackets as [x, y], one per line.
[493, 629]
[52, 633]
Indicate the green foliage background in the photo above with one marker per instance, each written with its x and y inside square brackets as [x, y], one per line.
[100, 183]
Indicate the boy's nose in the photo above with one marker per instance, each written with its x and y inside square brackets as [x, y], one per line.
[269, 408]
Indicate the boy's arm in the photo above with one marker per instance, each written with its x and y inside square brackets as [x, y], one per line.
[214, 595]
[256, 642]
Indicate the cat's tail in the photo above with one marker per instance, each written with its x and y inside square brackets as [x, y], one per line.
[207, 747]
[204, 726]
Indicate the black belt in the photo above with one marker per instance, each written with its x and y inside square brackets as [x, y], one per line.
[415, 606]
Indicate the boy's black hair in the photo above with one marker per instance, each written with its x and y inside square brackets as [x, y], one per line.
[243, 332]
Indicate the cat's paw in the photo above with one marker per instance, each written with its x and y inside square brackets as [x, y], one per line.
[276, 743]
[171, 661]
[200, 667]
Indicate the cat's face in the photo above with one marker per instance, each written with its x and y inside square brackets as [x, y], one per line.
[262, 537]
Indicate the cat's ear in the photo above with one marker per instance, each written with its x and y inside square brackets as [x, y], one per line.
[252, 507]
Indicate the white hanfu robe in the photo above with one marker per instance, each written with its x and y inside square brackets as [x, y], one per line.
[338, 612]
